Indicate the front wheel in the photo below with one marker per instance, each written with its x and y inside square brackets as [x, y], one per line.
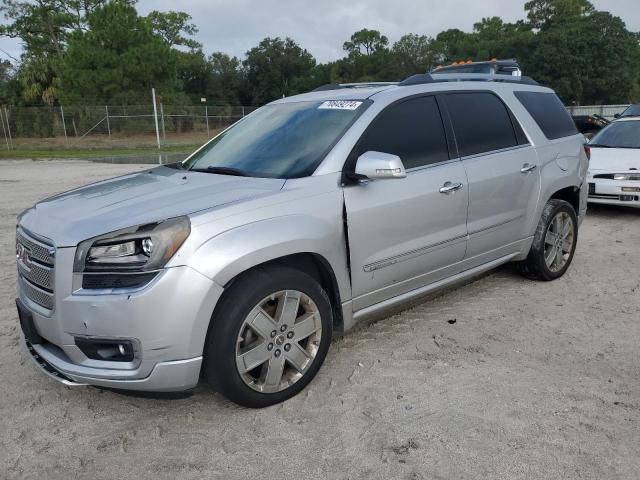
[554, 242]
[268, 337]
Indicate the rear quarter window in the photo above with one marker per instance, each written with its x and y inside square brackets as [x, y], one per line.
[549, 113]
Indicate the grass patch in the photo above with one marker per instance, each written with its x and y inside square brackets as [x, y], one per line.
[80, 153]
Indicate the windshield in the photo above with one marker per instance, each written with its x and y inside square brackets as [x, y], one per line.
[623, 134]
[285, 140]
[632, 111]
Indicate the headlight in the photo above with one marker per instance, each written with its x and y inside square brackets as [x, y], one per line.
[144, 248]
[626, 176]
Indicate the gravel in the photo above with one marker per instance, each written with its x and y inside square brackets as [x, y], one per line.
[500, 378]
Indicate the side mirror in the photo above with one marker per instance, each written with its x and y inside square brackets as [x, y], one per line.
[378, 166]
[617, 115]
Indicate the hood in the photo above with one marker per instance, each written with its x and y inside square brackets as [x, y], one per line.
[153, 195]
[615, 160]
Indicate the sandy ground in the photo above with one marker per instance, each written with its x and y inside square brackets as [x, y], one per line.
[533, 380]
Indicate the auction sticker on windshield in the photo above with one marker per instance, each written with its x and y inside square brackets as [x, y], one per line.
[340, 105]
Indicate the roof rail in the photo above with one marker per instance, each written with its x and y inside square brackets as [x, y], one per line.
[337, 86]
[434, 77]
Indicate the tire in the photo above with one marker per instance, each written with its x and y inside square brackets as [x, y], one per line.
[245, 329]
[537, 265]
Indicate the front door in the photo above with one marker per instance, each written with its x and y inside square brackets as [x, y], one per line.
[406, 233]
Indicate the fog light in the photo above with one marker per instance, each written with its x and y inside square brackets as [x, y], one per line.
[106, 349]
[147, 246]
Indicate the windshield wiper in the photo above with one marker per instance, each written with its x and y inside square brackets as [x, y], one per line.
[598, 145]
[221, 171]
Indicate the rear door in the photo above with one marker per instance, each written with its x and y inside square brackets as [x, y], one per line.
[502, 170]
[405, 233]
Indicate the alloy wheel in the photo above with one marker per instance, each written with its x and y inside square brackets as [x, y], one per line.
[558, 241]
[278, 341]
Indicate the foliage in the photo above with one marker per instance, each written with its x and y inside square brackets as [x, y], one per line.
[277, 68]
[117, 59]
[79, 51]
[174, 28]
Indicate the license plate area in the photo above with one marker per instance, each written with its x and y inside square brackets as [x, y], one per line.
[27, 324]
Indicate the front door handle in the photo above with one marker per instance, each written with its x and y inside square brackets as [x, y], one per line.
[526, 168]
[449, 187]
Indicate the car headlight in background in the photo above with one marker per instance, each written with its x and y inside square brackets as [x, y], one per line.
[130, 257]
[626, 176]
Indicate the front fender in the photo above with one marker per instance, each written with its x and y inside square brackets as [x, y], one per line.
[234, 251]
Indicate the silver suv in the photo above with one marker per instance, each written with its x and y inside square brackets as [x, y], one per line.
[315, 211]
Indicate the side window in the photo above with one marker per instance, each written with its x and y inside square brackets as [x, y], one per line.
[549, 113]
[481, 123]
[412, 129]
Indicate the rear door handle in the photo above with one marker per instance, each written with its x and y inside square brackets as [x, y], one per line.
[449, 187]
[526, 168]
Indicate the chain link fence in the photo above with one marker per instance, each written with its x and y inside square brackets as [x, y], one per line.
[131, 126]
[116, 126]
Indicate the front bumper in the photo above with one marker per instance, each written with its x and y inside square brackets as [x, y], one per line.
[172, 376]
[612, 192]
[167, 321]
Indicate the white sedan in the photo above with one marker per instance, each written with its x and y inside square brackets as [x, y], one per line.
[614, 170]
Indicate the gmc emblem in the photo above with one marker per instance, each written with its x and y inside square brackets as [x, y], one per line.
[23, 254]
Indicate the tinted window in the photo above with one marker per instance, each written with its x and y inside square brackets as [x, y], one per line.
[285, 140]
[549, 113]
[481, 123]
[412, 130]
[623, 134]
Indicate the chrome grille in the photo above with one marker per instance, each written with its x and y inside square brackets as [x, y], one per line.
[40, 250]
[36, 268]
[39, 296]
[41, 275]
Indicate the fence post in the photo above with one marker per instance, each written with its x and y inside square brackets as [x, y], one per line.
[64, 125]
[155, 115]
[6, 117]
[164, 133]
[206, 116]
[4, 129]
[73, 122]
[106, 109]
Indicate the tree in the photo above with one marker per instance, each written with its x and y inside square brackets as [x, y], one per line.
[414, 54]
[543, 13]
[277, 67]
[194, 72]
[452, 45]
[44, 27]
[587, 59]
[174, 28]
[365, 42]
[117, 59]
[226, 80]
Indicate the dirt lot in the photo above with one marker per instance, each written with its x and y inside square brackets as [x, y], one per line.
[533, 380]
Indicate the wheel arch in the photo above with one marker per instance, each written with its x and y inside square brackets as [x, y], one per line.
[568, 194]
[314, 265]
[308, 244]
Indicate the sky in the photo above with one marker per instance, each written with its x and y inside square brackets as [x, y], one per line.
[322, 26]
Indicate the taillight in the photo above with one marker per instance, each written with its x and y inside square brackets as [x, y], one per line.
[587, 150]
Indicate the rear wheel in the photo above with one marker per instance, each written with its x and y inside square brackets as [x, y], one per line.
[554, 242]
[268, 337]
